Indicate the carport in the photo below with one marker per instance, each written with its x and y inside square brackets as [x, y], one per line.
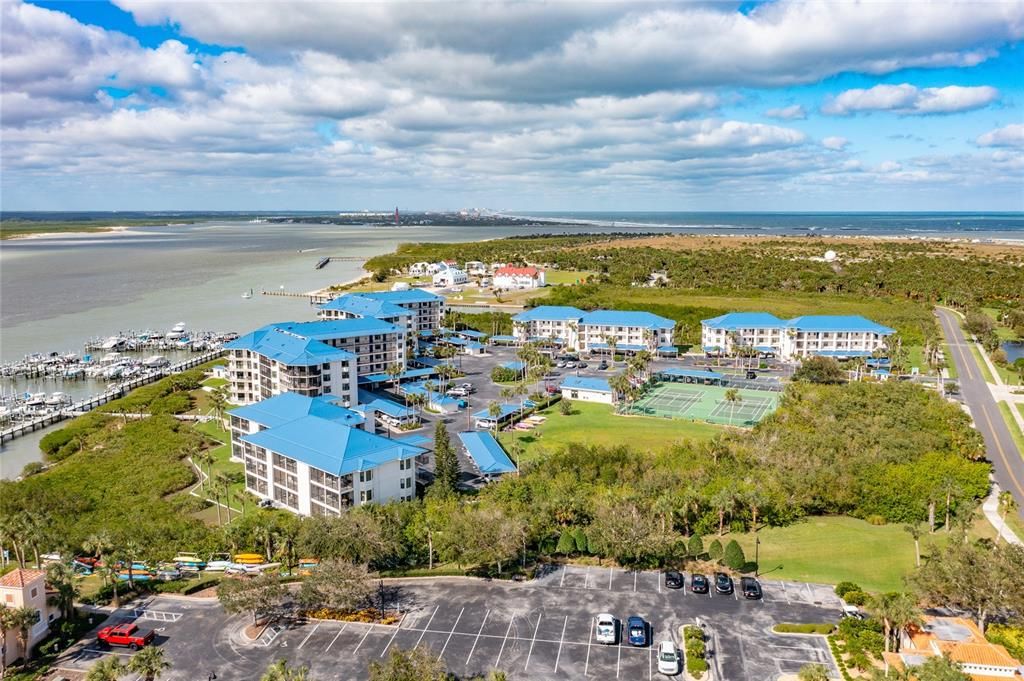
[486, 453]
[675, 374]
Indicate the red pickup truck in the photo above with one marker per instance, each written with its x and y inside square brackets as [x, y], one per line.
[125, 635]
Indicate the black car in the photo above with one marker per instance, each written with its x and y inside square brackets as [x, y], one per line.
[750, 588]
[674, 579]
[603, 365]
[699, 584]
[581, 365]
[723, 583]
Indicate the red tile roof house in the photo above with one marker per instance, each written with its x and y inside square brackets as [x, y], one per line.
[518, 278]
[25, 589]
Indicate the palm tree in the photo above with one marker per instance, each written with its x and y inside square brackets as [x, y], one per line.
[394, 372]
[915, 531]
[897, 611]
[222, 485]
[99, 544]
[732, 396]
[107, 669]
[108, 573]
[61, 578]
[149, 663]
[723, 501]
[131, 550]
[264, 532]
[280, 671]
[219, 401]
[6, 624]
[1007, 504]
[612, 342]
[21, 620]
[241, 497]
[494, 411]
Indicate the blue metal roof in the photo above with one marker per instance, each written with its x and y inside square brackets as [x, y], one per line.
[744, 320]
[765, 348]
[838, 323]
[549, 313]
[413, 295]
[355, 303]
[338, 328]
[285, 346]
[514, 365]
[281, 409]
[622, 318]
[486, 453]
[471, 333]
[691, 373]
[585, 383]
[330, 446]
[506, 411]
[841, 353]
[405, 375]
[503, 338]
[368, 401]
[668, 349]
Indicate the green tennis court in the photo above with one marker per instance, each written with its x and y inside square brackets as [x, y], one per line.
[705, 403]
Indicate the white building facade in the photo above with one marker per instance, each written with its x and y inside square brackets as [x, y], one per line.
[509, 278]
[827, 335]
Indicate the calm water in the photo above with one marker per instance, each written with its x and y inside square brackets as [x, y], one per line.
[56, 293]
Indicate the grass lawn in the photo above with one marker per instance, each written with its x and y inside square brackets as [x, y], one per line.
[831, 549]
[222, 464]
[950, 364]
[215, 382]
[596, 424]
[915, 358]
[985, 373]
[1003, 332]
[1009, 376]
[1011, 425]
[556, 277]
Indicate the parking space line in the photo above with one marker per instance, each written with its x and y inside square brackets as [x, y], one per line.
[618, 658]
[650, 661]
[424, 631]
[343, 627]
[659, 582]
[477, 639]
[505, 640]
[636, 573]
[360, 645]
[560, 641]
[451, 633]
[590, 640]
[811, 593]
[532, 642]
[565, 569]
[391, 640]
[309, 634]
[586, 579]
[611, 571]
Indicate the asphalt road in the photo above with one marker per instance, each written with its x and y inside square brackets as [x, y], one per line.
[541, 629]
[1001, 449]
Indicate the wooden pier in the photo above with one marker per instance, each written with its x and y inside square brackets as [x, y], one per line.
[322, 262]
[120, 390]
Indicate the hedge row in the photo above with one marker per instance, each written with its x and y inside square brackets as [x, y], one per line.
[823, 628]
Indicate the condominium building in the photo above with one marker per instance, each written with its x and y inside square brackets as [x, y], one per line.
[826, 335]
[596, 331]
[359, 306]
[311, 456]
[273, 360]
[427, 308]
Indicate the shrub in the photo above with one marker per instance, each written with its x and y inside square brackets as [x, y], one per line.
[695, 546]
[565, 408]
[856, 597]
[566, 542]
[843, 588]
[875, 520]
[199, 586]
[1008, 636]
[504, 375]
[618, 357]
[31, 468]
[715, 550]
[734, 557]
[823, 628]
[580, 538]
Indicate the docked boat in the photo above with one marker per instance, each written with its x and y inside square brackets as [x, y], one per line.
[58, 399]
[113, 343]
[247, 294]
[176, 332]
[155, 362]
[74, 372]
[249, 558]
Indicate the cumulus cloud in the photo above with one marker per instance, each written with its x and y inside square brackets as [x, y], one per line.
[835, 143]
[908, 99]
[787, 113]
[1008, 136]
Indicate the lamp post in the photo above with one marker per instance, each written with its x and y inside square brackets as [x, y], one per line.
[757, 547]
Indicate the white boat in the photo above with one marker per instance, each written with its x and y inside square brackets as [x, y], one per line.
[74, 372]
[113, 343]
[155, 361]
[111, 358]
[114, 371]
[247, 294]
[58, 399]
[176, 332]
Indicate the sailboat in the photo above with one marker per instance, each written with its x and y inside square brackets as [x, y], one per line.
[247, 294]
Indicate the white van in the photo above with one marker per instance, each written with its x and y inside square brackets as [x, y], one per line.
[668, 658]
[607, 629]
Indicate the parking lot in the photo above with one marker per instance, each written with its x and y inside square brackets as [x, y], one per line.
[536, 630]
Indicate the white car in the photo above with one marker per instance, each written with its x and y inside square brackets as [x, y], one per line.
[668, 658]
[607, 629]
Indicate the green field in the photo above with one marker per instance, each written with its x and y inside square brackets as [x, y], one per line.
[222, 464]
[1011, 425]
[596, 424]
[1003, 332]
[985, 373]
[950, 364]
[568, 277]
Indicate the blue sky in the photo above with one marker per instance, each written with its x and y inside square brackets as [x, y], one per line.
[785, 105]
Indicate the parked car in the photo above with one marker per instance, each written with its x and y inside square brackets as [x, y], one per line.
[699, 584]
[674, 579]
[570, 365]
[723, 583]
[607, 629]
[636, 629]
[751, 375]
[852, 612]
[603, 365]
[560, 364]
[751, 588]
[581, 365]
[458, 392]
[468, 387]
[668, 658]
[126, 635]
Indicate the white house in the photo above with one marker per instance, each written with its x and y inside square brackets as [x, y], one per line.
[586, 389]
[475, 267]
[21, 588]
[418, 269]
[827, 335]
[320, 463]
[518, 278]
[449, 277]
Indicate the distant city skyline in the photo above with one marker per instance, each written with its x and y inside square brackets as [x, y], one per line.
[748, 106]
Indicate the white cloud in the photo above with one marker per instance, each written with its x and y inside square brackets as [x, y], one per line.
[787, 113]
[835, 143]
[1008, 136]
[908, 99]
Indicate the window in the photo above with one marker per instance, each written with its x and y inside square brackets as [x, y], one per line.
[35, 592]
[366, 495]
[365, 476]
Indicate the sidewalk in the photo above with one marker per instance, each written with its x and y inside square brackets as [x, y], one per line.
[991, 509]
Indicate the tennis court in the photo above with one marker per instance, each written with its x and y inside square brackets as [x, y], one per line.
[705, 403]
